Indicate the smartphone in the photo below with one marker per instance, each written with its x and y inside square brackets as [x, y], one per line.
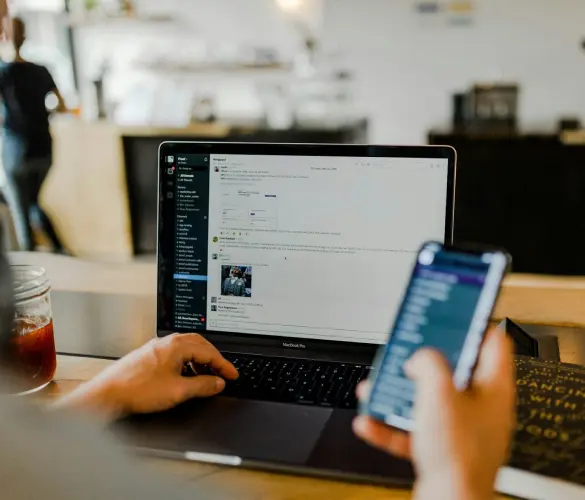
[447, 306]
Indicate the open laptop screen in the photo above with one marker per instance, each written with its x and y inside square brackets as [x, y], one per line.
[292, 245]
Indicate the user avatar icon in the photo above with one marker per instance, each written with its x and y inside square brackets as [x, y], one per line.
[215, 239]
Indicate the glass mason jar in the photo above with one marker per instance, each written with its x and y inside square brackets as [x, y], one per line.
[33, 343]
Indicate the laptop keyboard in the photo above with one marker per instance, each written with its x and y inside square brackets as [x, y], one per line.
[296, 380]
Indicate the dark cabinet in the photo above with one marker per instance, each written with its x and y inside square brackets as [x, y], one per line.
[525, 193]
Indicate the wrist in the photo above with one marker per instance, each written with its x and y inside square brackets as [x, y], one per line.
[448, 487]
[96, 399]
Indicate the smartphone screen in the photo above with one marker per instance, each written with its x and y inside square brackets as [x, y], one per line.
[447, 306]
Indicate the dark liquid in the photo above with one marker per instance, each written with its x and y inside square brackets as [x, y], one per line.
[35, 359]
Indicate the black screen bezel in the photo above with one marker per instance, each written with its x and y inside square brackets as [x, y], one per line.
[260, 149]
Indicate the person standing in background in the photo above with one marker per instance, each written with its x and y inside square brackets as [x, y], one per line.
[26, 138]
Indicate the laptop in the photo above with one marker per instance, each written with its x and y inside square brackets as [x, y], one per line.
[291, 259]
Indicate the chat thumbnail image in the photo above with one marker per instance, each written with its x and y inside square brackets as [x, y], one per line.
[236, 281]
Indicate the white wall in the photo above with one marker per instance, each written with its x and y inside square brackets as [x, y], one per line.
[202, 28]
[406, 68]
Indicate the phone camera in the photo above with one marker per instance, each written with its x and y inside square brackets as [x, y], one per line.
[426, 257]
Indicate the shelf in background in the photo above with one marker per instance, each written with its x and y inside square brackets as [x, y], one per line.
[104, 20]
[214, 67]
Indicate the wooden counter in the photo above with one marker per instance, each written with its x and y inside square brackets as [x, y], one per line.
[85, 193]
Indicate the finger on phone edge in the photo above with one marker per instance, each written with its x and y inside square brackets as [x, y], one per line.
[432, 374]
[363, 389]
[496, 362]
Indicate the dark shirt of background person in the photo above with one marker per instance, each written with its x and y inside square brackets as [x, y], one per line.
[24, 87]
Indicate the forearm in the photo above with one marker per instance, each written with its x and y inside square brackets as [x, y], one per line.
[94, 399]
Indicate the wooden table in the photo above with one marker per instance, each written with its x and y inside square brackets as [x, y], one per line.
[75, 279]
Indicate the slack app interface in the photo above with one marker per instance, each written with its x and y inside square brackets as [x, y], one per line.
[317, 247]
[186, 187]
[295, 246]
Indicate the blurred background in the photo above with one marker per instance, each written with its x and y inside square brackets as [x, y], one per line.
[502, 81]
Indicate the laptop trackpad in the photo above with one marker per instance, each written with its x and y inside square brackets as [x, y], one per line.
[258, 430]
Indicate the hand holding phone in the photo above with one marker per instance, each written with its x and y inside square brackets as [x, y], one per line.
[461, 438]
[447, 306]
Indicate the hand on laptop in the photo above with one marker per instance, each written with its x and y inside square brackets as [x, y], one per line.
[461, 438]
[149, 379]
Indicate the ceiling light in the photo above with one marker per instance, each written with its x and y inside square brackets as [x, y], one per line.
[290, 5]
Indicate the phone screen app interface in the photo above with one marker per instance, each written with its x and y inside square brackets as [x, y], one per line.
[437, 312]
